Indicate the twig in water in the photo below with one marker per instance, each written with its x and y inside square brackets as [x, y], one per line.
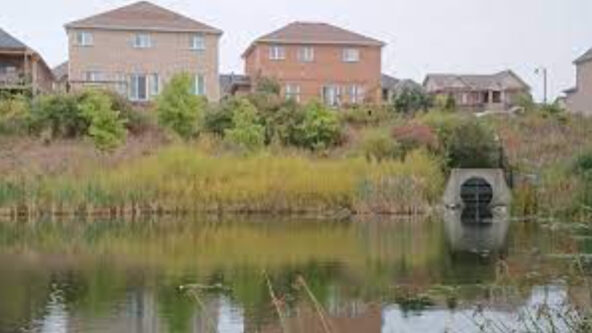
[318, 306]
[191, 291]
[276, 303]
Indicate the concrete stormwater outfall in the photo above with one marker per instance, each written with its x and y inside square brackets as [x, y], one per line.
[476, 211]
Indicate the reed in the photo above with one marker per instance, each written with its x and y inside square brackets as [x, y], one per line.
[184, 178]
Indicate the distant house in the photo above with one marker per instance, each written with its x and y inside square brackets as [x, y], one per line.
[392, 87]
[318, 61]
[234, 84]
[22, 69]
[136, 49]
[478, 93]
[60, 73]
[579, 98]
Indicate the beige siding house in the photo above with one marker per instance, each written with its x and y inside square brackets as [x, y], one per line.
[135, 50]
[479, 93]
[579, 99]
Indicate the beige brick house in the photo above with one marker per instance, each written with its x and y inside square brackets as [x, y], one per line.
[579, 99]
[478, 93]
[318, 61]
[137, 48]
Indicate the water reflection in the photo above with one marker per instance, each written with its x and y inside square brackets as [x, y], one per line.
[370, 276]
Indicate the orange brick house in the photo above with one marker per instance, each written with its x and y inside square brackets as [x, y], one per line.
[318, 61]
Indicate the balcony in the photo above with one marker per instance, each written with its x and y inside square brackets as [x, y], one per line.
[14, 80]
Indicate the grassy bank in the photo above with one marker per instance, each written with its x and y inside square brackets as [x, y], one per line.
[184, 178]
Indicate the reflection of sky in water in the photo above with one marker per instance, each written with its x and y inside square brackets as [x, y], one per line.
[56, 319]
[230, 318]
[440, 320]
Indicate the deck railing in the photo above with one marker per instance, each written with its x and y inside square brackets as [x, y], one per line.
[14, 80]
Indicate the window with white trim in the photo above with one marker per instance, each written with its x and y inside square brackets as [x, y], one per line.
[142, 41]
[198, 42]
[120, 84]
[93, 76]
[331, 95]
[154, 84]
[293, 92]
[138, 87]
[351, 55]
[356, 94]
[277, 52]
[84, 38]
[306, 54]
[199, 85]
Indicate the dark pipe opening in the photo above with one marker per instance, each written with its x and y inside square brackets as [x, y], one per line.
[476, 194]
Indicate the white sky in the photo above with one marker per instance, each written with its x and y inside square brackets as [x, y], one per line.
[423, 36]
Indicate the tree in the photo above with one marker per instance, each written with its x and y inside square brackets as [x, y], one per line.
[268, 86]
[246, 133]
[107, 128]
[411, 100]
[179, 108]
[320, 127]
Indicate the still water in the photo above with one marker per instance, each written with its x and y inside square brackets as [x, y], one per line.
[262, 275]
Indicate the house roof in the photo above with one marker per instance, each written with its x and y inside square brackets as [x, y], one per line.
[388, 82]
[397, 86]
[7, 41]
[505, 80]
[585, 57]
[229, 81]
[143, 15]
[315, 33]
[60, 71]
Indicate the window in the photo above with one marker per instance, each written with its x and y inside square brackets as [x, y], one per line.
[356, 93]
[142, 41]
[496, 96]
[120, 84]
[306, 54]
[331, 95]
[277, 52]
[154, 84]
[138, 87]
[351, 55]
[198, 42]
[84, 38]
[199, 85]
[92, 76]
[485, 97]
[293, 92]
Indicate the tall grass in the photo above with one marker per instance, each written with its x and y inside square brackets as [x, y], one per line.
[184, 178]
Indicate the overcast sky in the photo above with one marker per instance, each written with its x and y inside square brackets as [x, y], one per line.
[423, 36]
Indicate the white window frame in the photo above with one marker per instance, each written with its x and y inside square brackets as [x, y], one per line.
[292, 92]
[92, 76]
[142, 41]
[134, 94]
[306, 54]
[198, 42]
[120, 83]
[84, 38]
[199, 85]
[154, 84]
[356, 94]
[277, 52]
[335, 97]
[350, 55]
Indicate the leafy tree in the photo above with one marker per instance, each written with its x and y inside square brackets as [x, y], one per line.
[411, 100]
[268, 86]
[107, 128]
[472, 144]
[320, 127]
[246, 133]
[59, 114]
[14, 114]
[178, 108]
[218, 118]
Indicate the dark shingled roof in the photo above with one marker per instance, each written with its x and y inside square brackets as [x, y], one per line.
[229, 81]
[585, 57]
[60, 71]
[502, 80]
[9, 42]
[143, 15]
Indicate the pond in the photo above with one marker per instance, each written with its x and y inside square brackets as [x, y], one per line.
[281, 275]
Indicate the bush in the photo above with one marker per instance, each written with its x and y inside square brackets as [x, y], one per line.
[412, 100]
[246, 133]
[416, 135]
[366, 115]
[377, 145]
[320, 127]
[14, 114]
[107, 128]
[137, 121]
[218, 118]
[267, 85]
[178, 108]
[59, 114]
[473, 145]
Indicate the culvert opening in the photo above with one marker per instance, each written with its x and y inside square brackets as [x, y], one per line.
[476, 194]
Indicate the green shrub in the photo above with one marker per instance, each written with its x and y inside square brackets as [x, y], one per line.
[583, 162]
[246, 133]
[412, 100]
[178, 108]
[282, 125]
[366, 115]
[14, 114]
[472, 144]
[377, 145]
[218, 118]
[415, 135]
[59, 114]
[137, 120]
[320, 127]
[107, 128]
[267, 85]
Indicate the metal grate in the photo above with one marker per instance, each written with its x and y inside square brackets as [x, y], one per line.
[476, 194]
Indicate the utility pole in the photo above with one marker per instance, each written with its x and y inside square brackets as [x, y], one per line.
[543, 71]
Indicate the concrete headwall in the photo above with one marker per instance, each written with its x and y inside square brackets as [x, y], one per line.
[502, 195]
